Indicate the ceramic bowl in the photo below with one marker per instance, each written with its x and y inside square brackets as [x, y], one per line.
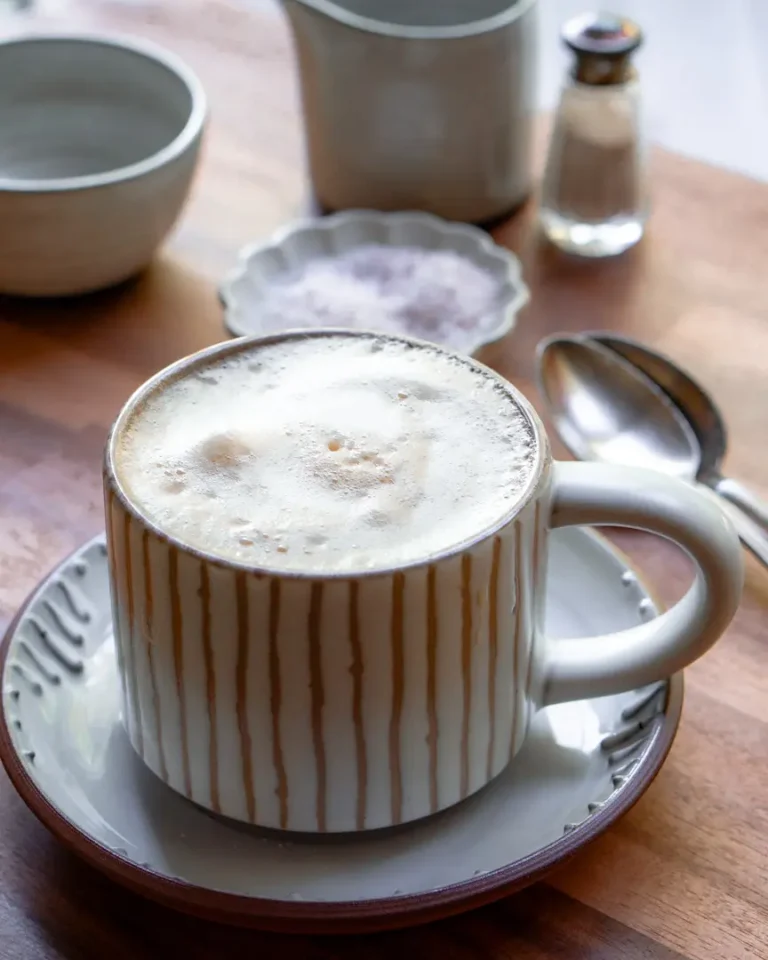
[290, 249]
[99, 139]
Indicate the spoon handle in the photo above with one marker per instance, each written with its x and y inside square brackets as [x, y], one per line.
[746, 501]
[750, 534]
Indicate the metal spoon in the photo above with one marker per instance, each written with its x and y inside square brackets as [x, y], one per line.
[703, 417]
[604, 408]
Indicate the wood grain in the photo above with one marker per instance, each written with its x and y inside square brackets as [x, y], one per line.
[686, 872]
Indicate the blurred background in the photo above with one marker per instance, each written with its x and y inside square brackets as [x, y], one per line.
[704, 71]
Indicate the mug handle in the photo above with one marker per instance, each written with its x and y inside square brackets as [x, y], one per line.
[594, 493]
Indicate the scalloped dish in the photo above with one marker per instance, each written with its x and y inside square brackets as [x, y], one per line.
[400, 273]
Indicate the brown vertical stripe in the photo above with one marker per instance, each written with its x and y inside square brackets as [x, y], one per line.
[276, 699]
[466, 667]
[318, 696]
[536, 544]
[516, 640]
[398, 684]
[178, 661]
[116, 586]
[357, 704]
[210, 685]
[432, 628]
[149, 606]
[241, 693]
[535, 599]
[133, 672]
[109, 509]
[493, 651]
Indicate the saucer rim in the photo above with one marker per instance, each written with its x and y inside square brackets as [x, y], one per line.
[340, 917]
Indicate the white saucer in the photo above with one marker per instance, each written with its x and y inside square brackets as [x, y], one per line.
[62, 743]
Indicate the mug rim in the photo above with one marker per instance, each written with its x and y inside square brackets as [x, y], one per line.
[177, 369]
[332, 9]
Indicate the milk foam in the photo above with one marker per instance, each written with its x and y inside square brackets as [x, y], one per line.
[333, 454]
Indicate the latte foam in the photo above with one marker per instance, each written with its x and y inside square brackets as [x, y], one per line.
[327, 454]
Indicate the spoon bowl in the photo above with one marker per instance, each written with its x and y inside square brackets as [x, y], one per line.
[695, 404]
[605, 409]
[616, 401]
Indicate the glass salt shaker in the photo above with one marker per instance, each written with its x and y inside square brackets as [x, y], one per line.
[594, 199]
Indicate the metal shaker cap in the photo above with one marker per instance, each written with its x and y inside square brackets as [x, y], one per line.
[603, 43]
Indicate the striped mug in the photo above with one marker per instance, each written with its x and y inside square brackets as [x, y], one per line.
[345, 700]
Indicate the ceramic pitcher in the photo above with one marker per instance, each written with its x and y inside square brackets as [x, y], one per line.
[418, 104]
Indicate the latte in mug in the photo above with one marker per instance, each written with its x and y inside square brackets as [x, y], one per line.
[328, 557]
[333, 456]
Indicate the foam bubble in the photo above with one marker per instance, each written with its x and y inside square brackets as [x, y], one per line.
[339, 454]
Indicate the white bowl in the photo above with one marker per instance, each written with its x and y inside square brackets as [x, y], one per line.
[99, 139]
[292, 247]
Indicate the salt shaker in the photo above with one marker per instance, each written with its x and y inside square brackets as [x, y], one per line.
[594, 200]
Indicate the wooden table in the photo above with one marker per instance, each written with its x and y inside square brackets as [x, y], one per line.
[686, 872]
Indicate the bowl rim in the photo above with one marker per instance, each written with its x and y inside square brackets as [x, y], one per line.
[506, 258]
[175, 148]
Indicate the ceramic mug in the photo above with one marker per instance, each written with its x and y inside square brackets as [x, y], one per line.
[340, 703]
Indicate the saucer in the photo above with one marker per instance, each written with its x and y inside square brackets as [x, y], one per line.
[583, 765]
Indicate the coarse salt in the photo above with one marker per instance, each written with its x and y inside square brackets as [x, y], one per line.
[435, 295]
